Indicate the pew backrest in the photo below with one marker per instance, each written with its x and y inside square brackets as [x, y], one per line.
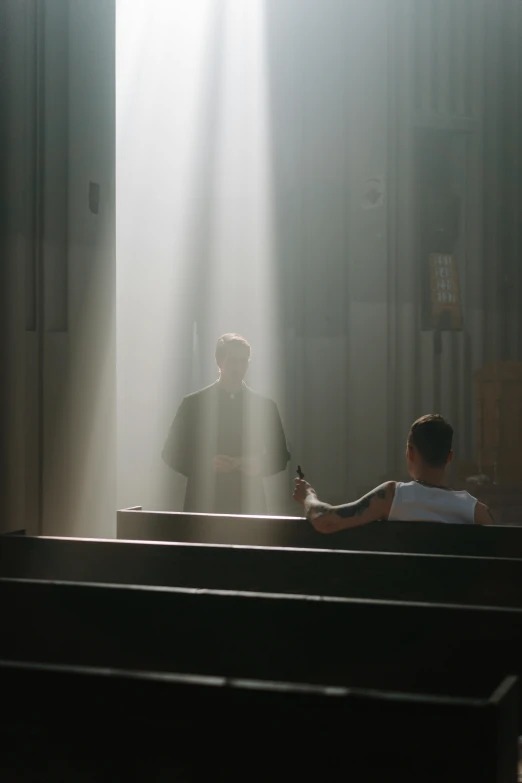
[407, 537]
[373, 735]
[432, 648]
[432, 578]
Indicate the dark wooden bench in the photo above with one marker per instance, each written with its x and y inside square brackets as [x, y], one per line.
[432, 578]
[403, 537]
[87, 724]
[423, 648]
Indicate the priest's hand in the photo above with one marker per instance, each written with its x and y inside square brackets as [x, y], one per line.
[250, 466]
[223, 464]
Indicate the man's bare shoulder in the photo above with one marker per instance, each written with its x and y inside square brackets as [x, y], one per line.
[383, 491]
[386, 492]
[389, 487]
[376, 504]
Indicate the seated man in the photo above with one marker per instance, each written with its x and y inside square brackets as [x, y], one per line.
[427, 498]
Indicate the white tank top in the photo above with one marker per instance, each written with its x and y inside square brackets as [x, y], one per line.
[414, 502]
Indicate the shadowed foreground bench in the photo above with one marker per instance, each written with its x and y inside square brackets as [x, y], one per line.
[423, 648]
[90, 724]
[432, 578]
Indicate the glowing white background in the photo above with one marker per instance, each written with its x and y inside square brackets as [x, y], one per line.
[194, 232]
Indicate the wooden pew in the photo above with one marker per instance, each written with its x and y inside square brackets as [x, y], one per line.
[75, 721]
[395, 577]
[423, 648]
[405, 537]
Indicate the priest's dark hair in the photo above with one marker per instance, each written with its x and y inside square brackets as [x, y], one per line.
[227, 339]
[432, 436]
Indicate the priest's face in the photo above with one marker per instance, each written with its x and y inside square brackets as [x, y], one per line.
[234, 365]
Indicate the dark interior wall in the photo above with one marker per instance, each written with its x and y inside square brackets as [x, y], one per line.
[58, 268]
[502, 225]
[20, 216]
[464, 66]
[90, 435]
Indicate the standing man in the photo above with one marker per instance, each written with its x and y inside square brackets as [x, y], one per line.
[225, 437]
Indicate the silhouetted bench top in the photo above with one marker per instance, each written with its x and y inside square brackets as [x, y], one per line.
[424, 648]
[433, 578]
[209, 728]
[404, 537]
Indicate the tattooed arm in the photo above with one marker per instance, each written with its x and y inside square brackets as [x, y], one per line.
[330, 519]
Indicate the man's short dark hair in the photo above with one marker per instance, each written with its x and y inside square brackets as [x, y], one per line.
[432, 436]
[225, 341]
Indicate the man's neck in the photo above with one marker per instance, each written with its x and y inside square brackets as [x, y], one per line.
[433, 478]
[230, 388]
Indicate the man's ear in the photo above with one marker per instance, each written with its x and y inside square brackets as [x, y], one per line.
[450, 457]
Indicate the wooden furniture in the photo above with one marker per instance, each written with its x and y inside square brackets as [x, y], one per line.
[498, 390]
[421, 648]
[484, 581]
[85, 724]
[404, 537]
